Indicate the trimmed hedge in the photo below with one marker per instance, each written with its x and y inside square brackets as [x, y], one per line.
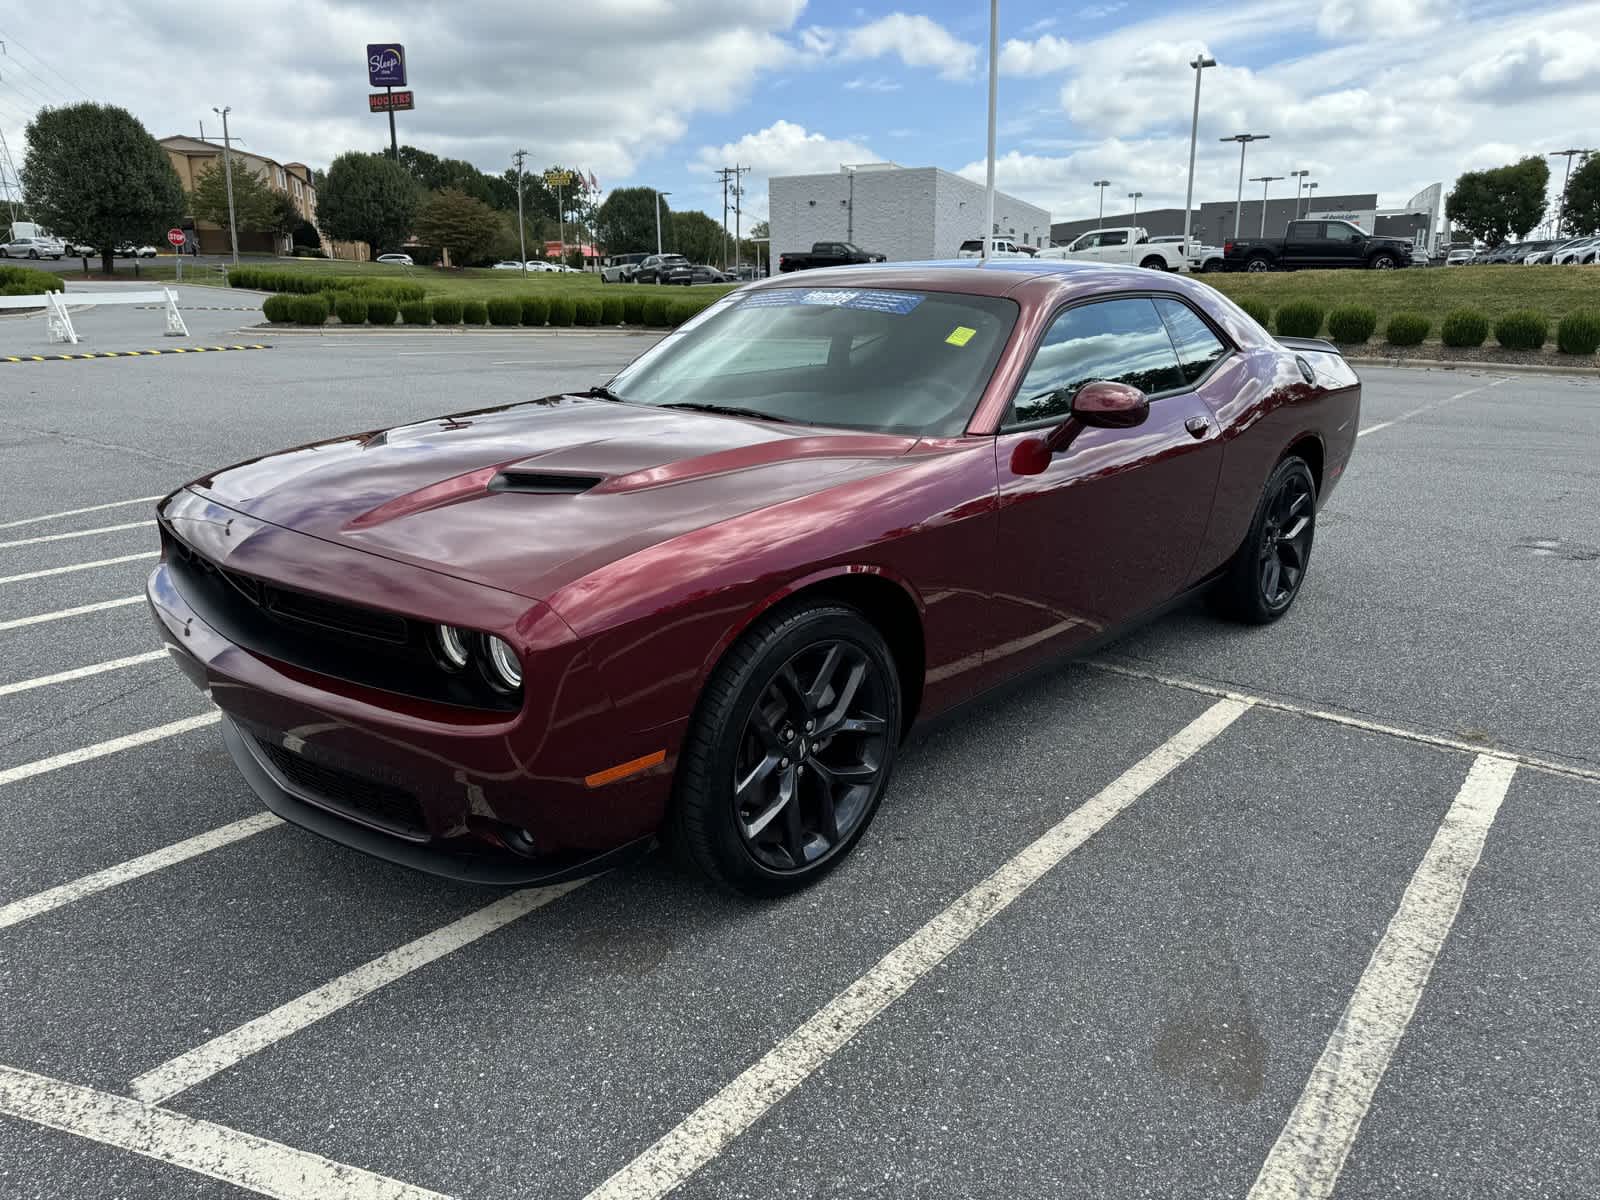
[1579, 332]
[1262, 313]
[309, 310]
[682, 310]
[657, 310]
[1523, 329]
[266, 279]
[611, 310]
[505, 310]
[416, 312]
[278, 309]
[447, 310]
[1463, 327]
[1352, 324]
[350, 309]
[587, 311]
[535, 310]
[633, 308]
[29, 281]
[381, 311]
[1407, 329]
[476, 312]
[1300, 318]
[562, 310]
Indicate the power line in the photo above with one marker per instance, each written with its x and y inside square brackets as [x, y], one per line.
[33, 97]
[45, 63]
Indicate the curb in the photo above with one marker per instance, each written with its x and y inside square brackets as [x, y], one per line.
[1436, 364]
[22, 358]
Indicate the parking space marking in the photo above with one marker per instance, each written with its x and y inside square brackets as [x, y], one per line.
[1431, 406]
[83, 566]
[78, 512]
[62, 613]
[76, 533]
[112, 664]
[1319, 714]
[100, 749]
[712, 1127]
[219, 1152]
[64, 894]
[1305, 1162]
[103, 354]
[194, 1066]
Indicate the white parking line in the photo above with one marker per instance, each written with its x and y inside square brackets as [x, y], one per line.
[1310, 1153]
[114, 664]
[62, 613]
[1433, 405]
[100, 749]
[712, 1127]
[76, 533]
[83, 566]
[51, 899]
[242, 1159]
[78, 512]
[220, 1053]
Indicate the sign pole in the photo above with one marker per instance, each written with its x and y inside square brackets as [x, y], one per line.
[394, 143]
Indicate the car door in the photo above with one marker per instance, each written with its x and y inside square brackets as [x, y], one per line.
[1112, 247]
[1113, 524]
[1343, 245]
[1302, 244]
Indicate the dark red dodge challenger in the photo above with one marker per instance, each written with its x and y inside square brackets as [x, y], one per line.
[708, 600]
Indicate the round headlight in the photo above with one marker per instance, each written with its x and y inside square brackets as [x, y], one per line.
[452, 646]
[504, 660]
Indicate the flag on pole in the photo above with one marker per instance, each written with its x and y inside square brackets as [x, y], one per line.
[593, 186]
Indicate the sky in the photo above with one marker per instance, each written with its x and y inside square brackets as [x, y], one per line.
[1383, 96]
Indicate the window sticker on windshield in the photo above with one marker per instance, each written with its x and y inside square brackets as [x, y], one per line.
[961, 335]
[866, 301]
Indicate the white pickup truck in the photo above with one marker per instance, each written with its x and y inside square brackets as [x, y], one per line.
[1003, 248]
[1127, 245]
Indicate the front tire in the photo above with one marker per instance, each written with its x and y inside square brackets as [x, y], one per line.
[1154, 263]
[1384, 262]
[790, 751]
[1261, 582]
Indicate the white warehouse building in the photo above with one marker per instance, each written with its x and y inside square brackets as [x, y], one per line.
[903, 213]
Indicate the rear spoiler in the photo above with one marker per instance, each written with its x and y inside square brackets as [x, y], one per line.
[1318, 345]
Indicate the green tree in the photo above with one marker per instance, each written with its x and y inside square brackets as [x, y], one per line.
[626, 222]
[94, 174]
[453, 220]
[285, 217]
[697, 237]
[1500, 203]
[254, 203]
[1583, 199]
[367, 198]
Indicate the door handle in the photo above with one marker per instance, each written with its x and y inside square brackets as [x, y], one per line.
[1197, 426]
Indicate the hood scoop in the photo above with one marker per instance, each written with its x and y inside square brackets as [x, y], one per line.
[543, 483]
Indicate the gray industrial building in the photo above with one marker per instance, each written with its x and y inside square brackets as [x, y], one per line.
[904, 213]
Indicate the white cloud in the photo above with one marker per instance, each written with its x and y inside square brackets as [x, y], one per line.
[1539, 63]
[1363, 18]
[917, 41]
[1098, 12]
[782, 148]
[875, 84]
[1040, 57]
[1041, 25]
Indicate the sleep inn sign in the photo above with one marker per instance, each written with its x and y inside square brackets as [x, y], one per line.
[386, 64]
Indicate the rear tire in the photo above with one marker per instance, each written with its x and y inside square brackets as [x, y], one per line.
[1263, 578]
[790, 750]
[1258, 263]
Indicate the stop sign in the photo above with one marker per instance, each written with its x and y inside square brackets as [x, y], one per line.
[175, 236]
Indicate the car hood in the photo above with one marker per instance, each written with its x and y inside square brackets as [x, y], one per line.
[532, 496]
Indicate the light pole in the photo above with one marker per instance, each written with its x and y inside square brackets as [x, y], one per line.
[1311, 193]
[1299, 178]
[658, 219]
[994, 73]
[1561, 213]
[1265, 181]
[1134, 196]
[1200, 63]
[1244, 140]
[1102, 184]
[227, 172]
[522, 236]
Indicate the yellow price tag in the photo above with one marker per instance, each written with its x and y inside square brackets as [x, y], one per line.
[961, 335]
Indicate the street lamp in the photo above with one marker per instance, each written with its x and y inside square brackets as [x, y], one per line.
[1102, 184]
[1311, 193]
[1264, 181]
[1299, 178]
[1134, 196]
[658, 219]
[227, 171]
[1200, 63]
[1244, 140]
[1561, 213]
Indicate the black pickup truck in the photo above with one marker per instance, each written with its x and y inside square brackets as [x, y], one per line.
[1316, 245]
[826, 254]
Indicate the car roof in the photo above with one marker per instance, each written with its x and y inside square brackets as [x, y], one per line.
[994, 277]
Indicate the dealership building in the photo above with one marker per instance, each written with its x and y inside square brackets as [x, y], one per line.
[903, 213]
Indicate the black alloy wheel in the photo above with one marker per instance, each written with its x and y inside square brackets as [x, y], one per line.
[1265, 575]
[1258, 263]
[1384, 262]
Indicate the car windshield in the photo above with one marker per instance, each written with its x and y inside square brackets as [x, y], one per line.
[903, 362]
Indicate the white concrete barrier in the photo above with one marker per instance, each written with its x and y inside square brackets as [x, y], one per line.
[59, 322]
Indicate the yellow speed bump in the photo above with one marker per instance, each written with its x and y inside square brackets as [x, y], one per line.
[22, 358]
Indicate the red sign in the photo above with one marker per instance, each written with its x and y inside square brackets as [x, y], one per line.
[175, 237]
[390, 101]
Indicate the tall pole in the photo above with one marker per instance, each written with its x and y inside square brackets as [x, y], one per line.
[658, 219]
[522, 233]
[1134, 196]
[394, 142]
[1311, 193]
[1561, 213]
[738, 210]
[1244, 140]
[1299, 181]
[1102, 185]
[1200, 63]
[994, 75]
[227, 171]
[561, 226]
[1264, 181]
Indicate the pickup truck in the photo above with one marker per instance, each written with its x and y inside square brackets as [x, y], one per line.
[1003, 248]
[1317, 245]
[826, 254]
[1129, 244]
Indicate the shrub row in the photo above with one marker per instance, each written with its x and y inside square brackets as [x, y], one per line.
[28, 281]
[364, 307]
[1463, 328]
[266, 279]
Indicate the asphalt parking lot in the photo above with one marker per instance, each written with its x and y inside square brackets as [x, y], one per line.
[1301, 911]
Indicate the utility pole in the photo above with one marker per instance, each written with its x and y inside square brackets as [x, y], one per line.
[5, 152]
[1299, 178]
[1244, 140]
[1569, 155]
[1102, 184]
[227, 170]
[724, 174]
[738, 208]
[1200, 63]
[1264, 181]
[522, 236]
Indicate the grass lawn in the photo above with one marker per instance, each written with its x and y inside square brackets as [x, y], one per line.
[1431, 291]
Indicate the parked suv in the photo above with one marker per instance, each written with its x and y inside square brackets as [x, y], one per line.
[664, 268]
[618, 268]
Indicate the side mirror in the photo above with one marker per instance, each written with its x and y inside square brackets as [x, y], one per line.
[1102, 404]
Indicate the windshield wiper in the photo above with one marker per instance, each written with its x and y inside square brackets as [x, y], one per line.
[729, 410]
[601, 392]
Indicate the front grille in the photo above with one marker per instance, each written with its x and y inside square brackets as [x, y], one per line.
[383, 804]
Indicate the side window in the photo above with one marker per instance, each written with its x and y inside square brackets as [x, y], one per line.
[1338, 231]
[1305, 231]
[1121, 340]
[1197, 346]
[1119, 238]
[1086, 242]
